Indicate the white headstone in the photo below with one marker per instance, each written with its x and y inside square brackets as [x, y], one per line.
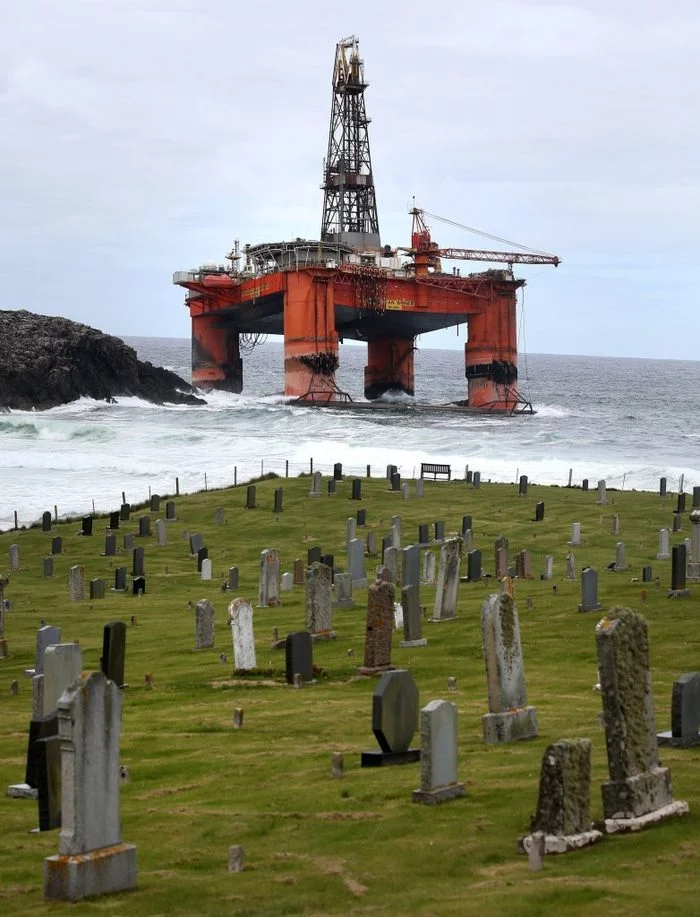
[206, 569]
[447, 588]
[63, 663]
[240, 618]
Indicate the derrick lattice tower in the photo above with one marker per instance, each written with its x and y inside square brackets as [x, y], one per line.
[349, 203]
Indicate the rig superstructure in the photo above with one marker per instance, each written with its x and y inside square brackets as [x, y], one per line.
[347, 286]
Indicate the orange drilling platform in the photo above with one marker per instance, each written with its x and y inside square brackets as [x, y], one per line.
[347, 285]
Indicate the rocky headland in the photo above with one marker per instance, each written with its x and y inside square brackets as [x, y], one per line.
[47, 361]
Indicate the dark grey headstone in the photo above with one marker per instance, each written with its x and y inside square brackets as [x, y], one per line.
[476, 479]
[41, 727]
[331, 486]
[696, 497]
[338, 471]
[233, 577]
[196, 542]
[137, 566]
[677, 522]
[662, 487]
[114, 651]
[86, 528]
[125, 512]
[114, 520]
[48, 782]
[138, 584]
[128, 541]
[144, 526]
[155, 503]
[313, 556]
[439, 530]
[299, 656]
[57, 545]
[411, 614]
[329, 561]
[120, 579]
[410, 566]
[97, 588]
[685, 706]
[395, 711]
[387, 542]
[250, 497]
[357, 489]
[470, 477]
[522, 485]
[362, 517]
[48, 566]
[680, 505]
[423, 535]
[202, 555]
[170, 511]
[474, 566]
[589, 591]
[678, 567]
[277, 508]
[46, 521]
[539, 511]
[466, 524]
[646, 574]
[396, 481]
[584, 485]
[110, 545]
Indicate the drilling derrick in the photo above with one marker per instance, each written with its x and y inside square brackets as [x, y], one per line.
[349, 203]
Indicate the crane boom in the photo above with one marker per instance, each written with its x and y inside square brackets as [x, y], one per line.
[471, 254]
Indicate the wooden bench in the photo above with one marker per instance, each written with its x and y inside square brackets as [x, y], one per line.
[435, 470]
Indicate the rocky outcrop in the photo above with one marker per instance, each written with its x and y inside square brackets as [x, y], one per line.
[46, 361]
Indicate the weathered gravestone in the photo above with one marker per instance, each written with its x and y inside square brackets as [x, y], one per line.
[196, 544]
[429, 568]
[332, 487]
[396, 482]
[394, 720]
[240, 620]
[63, 663]
[48, 779]
[439, 530]
[620, 557]
[391, 562]
[219, 516]
[571, 568]
[114, 652]
[539, 511]
[343, 591]
[662, 487]
[685, 713]
[233, 577]
[286, 582]
[128, 541]
[161, 534]
[476, 479]
[522, 486]
[548, 567]
[313, 556]
[615, 524]
[110, 545]
[447, 590]
[509, 717]
[170, 511]
[144, 526]
[155, 503]
[647, 574]
[97, 588]
[315, 484]
[124, 512]
[411, 618]
[420, 487]
[92, 859]
[206, 569]
[46, 636]
[250, 501]
[379, 628]
[269, 587]
[13, 556]
[350, 529]
[372, 543]
[57, 545]
[564, 802]
[203, 625]
[138, 585]
[298, 653]
[405, 491]
[589, 591]
[137, 562]
[48, 566]
[410, 567]
[602, 498]
[677, 522]
[438, 754]
[639, 790]
[278, 500]
[319, 616]
[46, 521]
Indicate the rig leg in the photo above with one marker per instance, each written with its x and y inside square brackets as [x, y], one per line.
[310, 338]
[389, 366]
[216, 358]
[491, 356]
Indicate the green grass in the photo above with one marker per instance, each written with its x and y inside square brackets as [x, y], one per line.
[319, 846]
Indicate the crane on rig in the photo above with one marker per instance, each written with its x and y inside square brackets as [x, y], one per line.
[426, 254]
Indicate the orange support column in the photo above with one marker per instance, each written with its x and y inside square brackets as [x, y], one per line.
[389, 366]
[491, 355]
[216, 358]
[310, 338]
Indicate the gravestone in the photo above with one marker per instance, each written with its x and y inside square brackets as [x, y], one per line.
[394, 720]
[589, 591]
[677, 522]
[467, 540]
[298, 574]
[395, 537]
[240, 620]
[391, 562]
[539, 511]
[466, 524]
[269, 587]
[356, 489]
[57, 545]
[438, 754]
[410, 567]
[680, 503]
[155, 503]
[298, 657]
[114, 520]
[372, 543]
[379, 628]
[286, 582]
[331, 487]
[509, 717]
[110, 545]
[412, 635]
[138, 585]
[128, 541]
[137, 562]
[315, 484]
[696, 497]
[602, 497]
[429, 568]
[447, 589]
[620, 558]
[396, 482]
[48, 779]
[343, 591]
[338, 471]
[203, 625]
[250, 502]
[361, 517]
[114, 652]
[439, 528]
[469, 477]
[196, 544]
[548, 567]
[405, 491]
[86, 526]
[694, 567]
[564, 802]
[639, 790]
[92, 858]
[124, 512]
[501, 562]
[615, 525]
[202, 555]
[398, 615]
[76, 583]
[350, 529]
[48, 566]
[161, 534]
[522, 486]
[473, 566]
[62, 665]
[476, 479]
[97, 588]
[570, 567]
[120, 579]
[647, 574]
[575, 534]
[46, 521]
[329, 561]
[206, 569]
[40, 727]
[423, 536]
[233, 577]
[144, 526]
[319, 616]
[685, 713]
[46, 636]
[278, 496]
[662, 487]
[664, 551]
[170, 511]
[678, 570]
[219, 516]
[420, 487]
[14, 556]
[313, 556]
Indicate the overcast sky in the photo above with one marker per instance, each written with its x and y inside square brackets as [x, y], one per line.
[140, 137]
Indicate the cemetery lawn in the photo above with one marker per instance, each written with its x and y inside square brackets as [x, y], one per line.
[315, 845]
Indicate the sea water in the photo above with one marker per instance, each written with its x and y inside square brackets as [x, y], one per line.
[629, 421]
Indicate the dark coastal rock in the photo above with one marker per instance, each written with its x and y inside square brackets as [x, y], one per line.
[47, 361]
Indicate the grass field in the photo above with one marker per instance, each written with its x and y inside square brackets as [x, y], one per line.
[315, 845]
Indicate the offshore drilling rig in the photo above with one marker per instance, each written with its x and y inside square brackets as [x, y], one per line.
[346, 285]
